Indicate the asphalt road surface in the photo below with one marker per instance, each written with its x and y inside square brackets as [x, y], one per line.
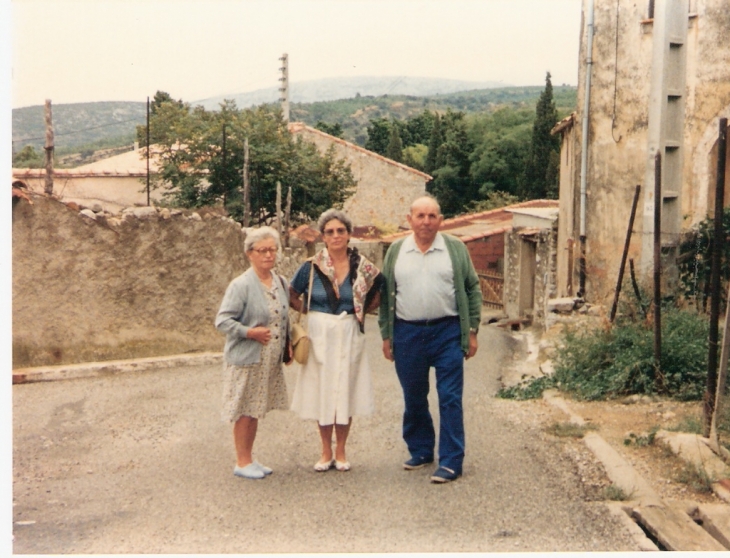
[141, 463]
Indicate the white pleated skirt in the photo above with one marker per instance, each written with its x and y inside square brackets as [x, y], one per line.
[335, 383]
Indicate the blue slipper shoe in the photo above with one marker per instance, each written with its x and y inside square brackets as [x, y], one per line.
[444, 474]
[250, 471]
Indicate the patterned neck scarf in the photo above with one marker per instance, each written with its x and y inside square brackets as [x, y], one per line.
[362, 275]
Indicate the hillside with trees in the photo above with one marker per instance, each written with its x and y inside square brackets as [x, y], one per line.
[483, 148]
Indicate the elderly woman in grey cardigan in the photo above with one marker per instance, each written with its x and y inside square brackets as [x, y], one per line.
[254, 316]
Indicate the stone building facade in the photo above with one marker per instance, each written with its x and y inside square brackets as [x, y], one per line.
[659, 76]
[385, 188]
[530, 263]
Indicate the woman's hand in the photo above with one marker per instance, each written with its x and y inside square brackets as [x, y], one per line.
[261, 334]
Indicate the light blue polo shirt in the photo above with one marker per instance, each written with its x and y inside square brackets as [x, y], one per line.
[424, 282]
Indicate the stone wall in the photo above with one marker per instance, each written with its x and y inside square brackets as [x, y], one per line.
[385, 188]
[93, 286]
[530, 273]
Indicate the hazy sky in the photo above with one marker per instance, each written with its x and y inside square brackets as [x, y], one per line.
[113, 50]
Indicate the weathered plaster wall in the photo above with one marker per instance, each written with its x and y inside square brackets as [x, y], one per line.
[151, 285]
[385, 189]
[618, 130]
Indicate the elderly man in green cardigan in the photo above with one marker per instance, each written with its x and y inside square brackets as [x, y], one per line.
[430, 312]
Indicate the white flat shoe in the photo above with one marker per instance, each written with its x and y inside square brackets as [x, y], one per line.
[263, 468]
[322, 466]
[342, 465]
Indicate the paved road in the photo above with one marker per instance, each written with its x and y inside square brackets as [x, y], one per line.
[141, 463]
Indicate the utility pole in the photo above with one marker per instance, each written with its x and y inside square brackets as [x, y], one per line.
[284, 89]
[278, 209]
[148, 151]
[287, 218]
[49, 148]
[246, 187]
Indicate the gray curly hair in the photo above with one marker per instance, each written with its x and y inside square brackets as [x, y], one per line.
[330, 214]
[257, 235]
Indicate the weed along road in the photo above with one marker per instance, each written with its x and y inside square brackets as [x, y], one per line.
[140, 462]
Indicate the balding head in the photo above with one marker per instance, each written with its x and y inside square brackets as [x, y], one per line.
[425, 219]
[426, 201]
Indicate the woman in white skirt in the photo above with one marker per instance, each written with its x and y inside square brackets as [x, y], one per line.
[254, 315]
[335, 383]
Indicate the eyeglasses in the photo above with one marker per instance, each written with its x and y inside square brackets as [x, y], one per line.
[263, 251]
[339, 230]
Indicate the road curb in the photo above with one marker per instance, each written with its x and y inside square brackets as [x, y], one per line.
[105, 368]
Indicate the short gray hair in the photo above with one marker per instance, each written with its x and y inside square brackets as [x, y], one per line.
[256, 235]
[330, 214]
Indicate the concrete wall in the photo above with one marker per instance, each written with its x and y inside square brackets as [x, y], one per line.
[86, 290]
[625, 104]
[385, 189]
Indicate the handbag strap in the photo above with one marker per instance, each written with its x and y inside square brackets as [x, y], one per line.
[309, 289]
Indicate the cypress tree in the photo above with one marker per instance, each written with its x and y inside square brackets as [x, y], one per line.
[433, 145]
[395, 146]
[540, 178]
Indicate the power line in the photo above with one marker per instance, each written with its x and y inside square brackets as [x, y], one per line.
[82, 130]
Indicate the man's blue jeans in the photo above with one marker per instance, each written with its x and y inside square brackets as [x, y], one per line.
[416, 348]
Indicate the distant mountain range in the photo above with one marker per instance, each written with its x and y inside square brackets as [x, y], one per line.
[331, 89]
[88, 127]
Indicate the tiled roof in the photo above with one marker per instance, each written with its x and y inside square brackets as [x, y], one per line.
[131, 163]
[473, 226]
[295, 127]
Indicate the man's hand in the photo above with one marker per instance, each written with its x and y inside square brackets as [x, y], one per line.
[472, 345]
[386, 350]
[261, 334]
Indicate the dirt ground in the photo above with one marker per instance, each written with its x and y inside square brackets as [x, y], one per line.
[627, 428]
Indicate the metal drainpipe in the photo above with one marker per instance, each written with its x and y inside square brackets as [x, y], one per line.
[584, 149]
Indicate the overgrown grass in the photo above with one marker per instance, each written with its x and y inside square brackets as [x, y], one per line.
[615, 494]
[696, 478]
[642, 440]
[607, 363]
[569, 429]
[690, 424]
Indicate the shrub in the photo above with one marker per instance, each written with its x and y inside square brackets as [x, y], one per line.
[610, 363]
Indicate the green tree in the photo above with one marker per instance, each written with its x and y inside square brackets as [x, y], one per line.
[415, 156]
[28, 158]
[452, 184]
[501, 141]
[434, 143]
[395, 146]
[378, 135]
[540, 178]
[201, 161]
[419, 129]
[331, 129]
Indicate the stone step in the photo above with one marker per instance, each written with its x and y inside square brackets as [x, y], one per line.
[674, 529]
